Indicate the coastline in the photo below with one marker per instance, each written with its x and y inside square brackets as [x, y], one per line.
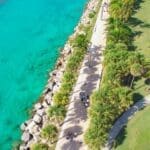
[32, 127]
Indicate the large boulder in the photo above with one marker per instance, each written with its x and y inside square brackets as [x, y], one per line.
[55, 89]
[38, 106]
[23, 147]
[40, 112]
[37, 119]
[23, 126]
[30, 126]
[35, 129]
[48, 98]
[45, 104]
[67, 49]
[26, 137]
[50, 85]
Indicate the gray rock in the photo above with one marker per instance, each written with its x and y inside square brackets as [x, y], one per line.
[38, 106]
[56, 87]
[23, 126]
[26, 136]
[23, 147]
[45, 104]
[30, 126]
[37, 118]
[48, 100]
[28, 122]
[67, 49]
[40, 112]
[34, 130]
[54, 73]
[50, 85]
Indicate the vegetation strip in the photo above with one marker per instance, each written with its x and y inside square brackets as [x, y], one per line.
[121, 65]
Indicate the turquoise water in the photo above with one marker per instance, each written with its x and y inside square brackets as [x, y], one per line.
[31, 32]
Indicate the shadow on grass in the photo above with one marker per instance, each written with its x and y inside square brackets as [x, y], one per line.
[120, 138]
[133, 21]
[137, 97]
[147, 81]
[138, 5]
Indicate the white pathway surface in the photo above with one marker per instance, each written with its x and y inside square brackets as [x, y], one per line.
[88, 80]
[123, 120]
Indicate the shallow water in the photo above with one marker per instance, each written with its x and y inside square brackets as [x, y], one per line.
[31, 33]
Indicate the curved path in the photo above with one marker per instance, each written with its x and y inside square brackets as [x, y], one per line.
[88, 80]
[123, 120]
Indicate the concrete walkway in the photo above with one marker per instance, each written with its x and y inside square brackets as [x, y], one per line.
[88, 80]
[123, 120]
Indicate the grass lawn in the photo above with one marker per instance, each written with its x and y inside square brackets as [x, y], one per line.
[137, 132]
[136, 136]
[141, 25]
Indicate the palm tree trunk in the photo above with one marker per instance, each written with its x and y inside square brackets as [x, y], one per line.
[129, 80]
[132, 82]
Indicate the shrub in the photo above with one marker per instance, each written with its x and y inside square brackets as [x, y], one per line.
[39, 146]
[57, 113]
[61, 97]
[91, 15]
[50, 132]
[81, 41]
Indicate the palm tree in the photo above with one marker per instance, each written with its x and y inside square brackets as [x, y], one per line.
[128, 8]
[135, 70]
[50, 132]
[116, 9]
[120, 33]
[57, 113]
[136, 64]
[121, 9]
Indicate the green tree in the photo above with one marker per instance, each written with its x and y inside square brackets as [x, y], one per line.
[121, 9]
[116, 9]
[136, 62]
[136, 71]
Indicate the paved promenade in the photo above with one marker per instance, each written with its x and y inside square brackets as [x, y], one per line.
[88, 80]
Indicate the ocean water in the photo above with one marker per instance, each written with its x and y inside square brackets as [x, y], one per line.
[31, 33]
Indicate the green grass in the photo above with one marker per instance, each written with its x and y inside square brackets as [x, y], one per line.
[137, 133]
[136, 136]
[142, 40]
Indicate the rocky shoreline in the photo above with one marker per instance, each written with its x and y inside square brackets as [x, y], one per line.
[31, 128]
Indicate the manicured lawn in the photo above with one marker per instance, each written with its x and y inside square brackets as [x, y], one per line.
[137, 134]
[141, 26]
